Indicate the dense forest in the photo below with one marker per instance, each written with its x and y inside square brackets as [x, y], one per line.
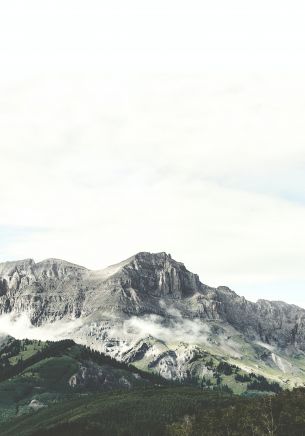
[167, 411]
[37, 398]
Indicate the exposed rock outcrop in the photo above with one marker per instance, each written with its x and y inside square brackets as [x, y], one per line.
[151, 295]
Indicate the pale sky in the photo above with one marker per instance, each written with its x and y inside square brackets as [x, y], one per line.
[174, 126]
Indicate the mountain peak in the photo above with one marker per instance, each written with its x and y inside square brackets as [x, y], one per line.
[10, 266]
[27, 261]
[147, 254]
[155, 258]
[160, 275]
[58, 262]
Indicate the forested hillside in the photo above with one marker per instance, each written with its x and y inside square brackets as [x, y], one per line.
[166, 411]
[61, 388]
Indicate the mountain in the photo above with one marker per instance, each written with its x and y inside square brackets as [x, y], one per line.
[36, 374]
[55, 407]
[61, 388]
[151, 311]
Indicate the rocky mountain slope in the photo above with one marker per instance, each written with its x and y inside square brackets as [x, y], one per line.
[152, 311]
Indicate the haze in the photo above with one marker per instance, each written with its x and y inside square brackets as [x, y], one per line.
[171, 126]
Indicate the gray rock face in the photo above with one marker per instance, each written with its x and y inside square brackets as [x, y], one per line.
[46, 290]
[159, 275]
[54, 289]
[92, 376]
[121, 308]
[273, 322]
[143, 284]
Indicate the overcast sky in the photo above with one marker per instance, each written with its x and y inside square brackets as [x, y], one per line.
[174, 126]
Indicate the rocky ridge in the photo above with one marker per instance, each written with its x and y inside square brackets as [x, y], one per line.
[153, 296]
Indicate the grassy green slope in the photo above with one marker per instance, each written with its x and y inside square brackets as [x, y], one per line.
[36, 374]
[62, 388]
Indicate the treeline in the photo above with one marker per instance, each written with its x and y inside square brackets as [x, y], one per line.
[254, 381]
[52, 349]
[273, 415]
[101, 359]
[168, 411]
[60, 348]
[260, 383]
[140, 412]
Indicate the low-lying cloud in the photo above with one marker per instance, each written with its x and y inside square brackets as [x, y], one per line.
[167, 330]
[172, 328]
[20, 327]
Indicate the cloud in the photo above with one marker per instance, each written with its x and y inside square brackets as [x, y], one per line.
[174, 328]
[135, 328]
[182, 330]
[188, 142]
[20, 327]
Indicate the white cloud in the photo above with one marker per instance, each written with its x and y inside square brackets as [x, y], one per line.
[20, 327]
[189, 331]
[169, 127]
